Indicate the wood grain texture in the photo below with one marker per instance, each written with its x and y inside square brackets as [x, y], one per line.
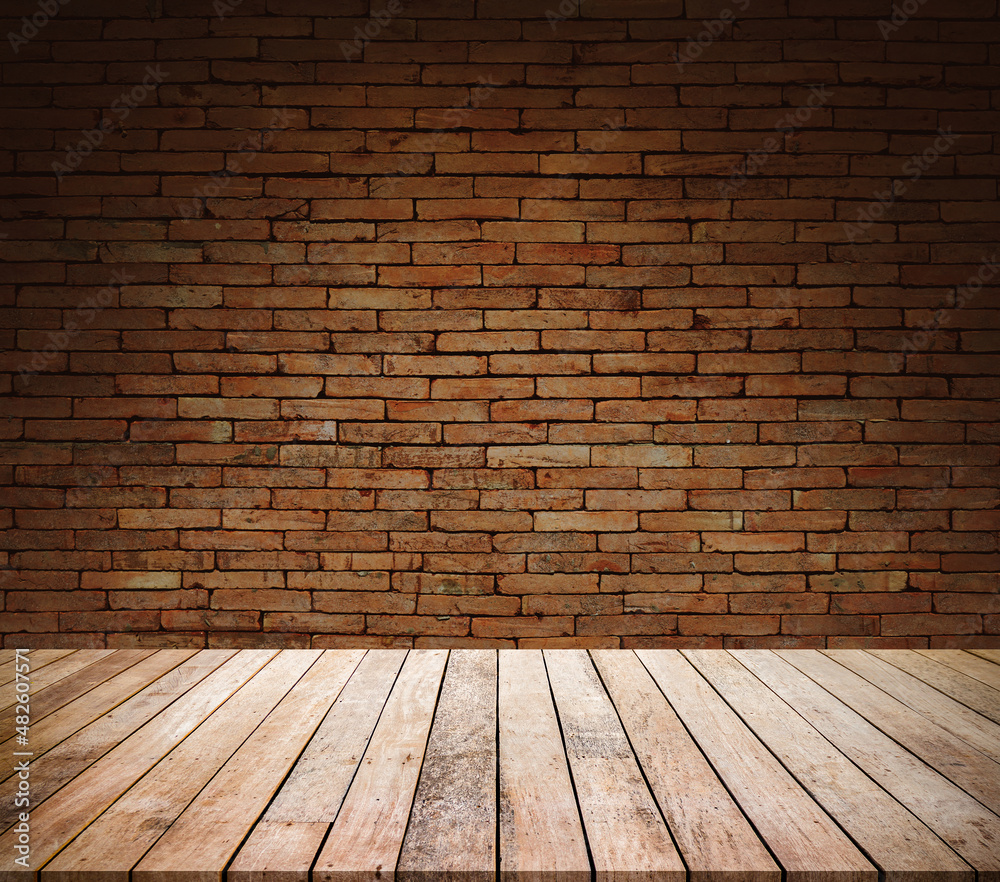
[47, 675]
[803, 838]
[900, 845]
[366, 838]
[627, 837]
[74, 685]
[85, 729]
[541, 834]
[37, 658]
[452, 832]
[971, 770]
[547, 766]
[117, 840]
[285, 842]
[711, 832]
[972, 693]
[232, 801]
[972, 665]
[955, 717]
[69, 810]
[961, 821]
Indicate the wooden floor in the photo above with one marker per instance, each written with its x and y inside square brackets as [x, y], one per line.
[171, 765]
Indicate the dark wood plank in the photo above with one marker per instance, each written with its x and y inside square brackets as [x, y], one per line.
[452, 832]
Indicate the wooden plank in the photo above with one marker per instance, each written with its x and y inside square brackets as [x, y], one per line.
[119, 838]
[806, 842]
[972, 728]
[900, 845]
[978, 696]
[74, 715]
[69, 810]
[974, 772]
[366, 837]
[44, 677]
[711, 832]
[287, 839]
[626, 834]
[38, 658]
[965, 824]
[452, 833]
[234, 799]
[992, 655]
[971, 665]
[74, 685]
[541, 834]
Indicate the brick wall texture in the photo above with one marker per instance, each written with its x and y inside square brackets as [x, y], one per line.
[500, 323]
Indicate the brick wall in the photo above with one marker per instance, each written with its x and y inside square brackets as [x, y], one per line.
[506, 322]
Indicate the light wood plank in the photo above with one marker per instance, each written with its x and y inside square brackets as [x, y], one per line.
[902, 847]
[971, 770]
[711, 831]
[119, 838]
[978, 696]
[234, 799]
[971, 665]
[992, 655]
[541, 833]
[964, 723]
[452, 832]
[69, 810]
[366, 837]
[806, 842]
[50, 699]
[37, 658]
[961, 821]
[83, 735]
[627, 837]
[44, 677]
[284, 844]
